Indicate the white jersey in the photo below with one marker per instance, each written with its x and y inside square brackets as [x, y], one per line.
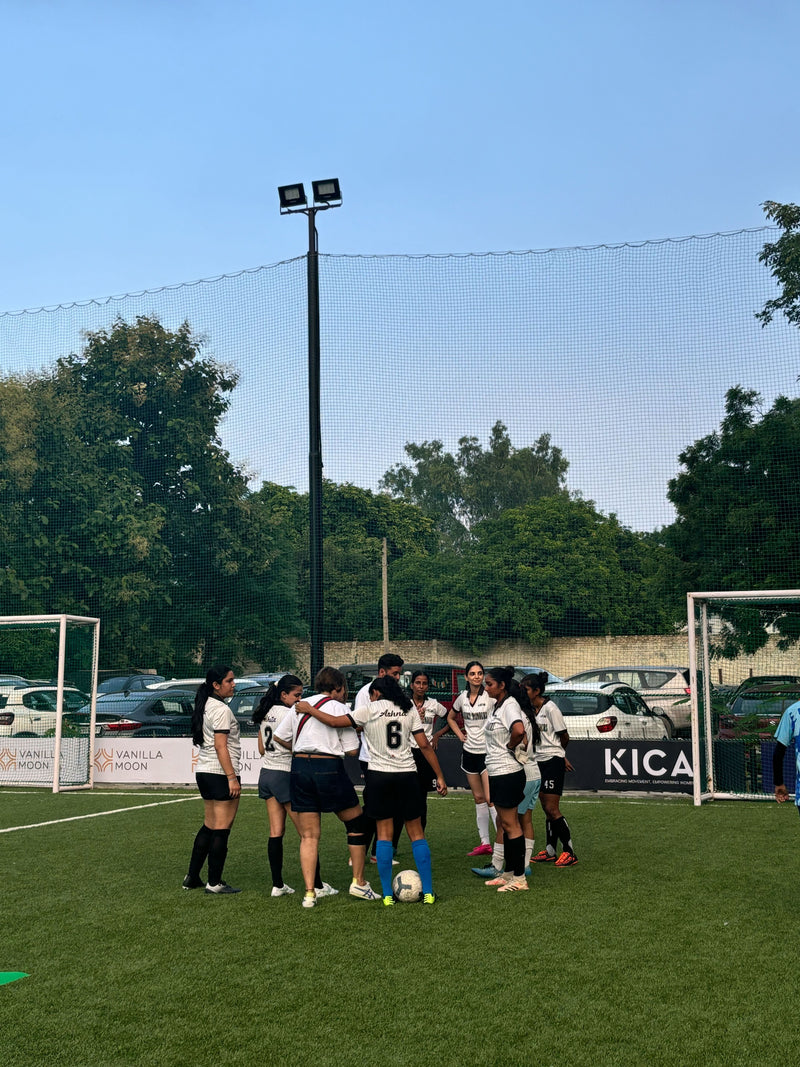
[531, 768]
[551, 723]
[361, 700]
[218, 718]
[276, 757]
[498, 733]
[475, 716]
[307, 734]
[389, 730]
[431, 711]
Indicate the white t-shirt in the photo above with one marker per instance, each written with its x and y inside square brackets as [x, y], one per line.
[431, 711]
[362, 698]
[551, 723]
[531, 768]
[475, 716]
[498, 733]
[218, 718]
[307, 734]
[388, 729]
[276, 757]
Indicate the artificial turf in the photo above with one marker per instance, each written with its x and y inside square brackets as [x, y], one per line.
[672, 941]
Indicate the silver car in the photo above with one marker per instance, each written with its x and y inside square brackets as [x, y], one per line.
[665, 690]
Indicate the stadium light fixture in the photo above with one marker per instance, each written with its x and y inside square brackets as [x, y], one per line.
[292, 197]
[327, 194]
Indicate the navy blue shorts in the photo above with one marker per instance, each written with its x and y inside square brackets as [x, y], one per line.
[320, 784]
[394, 795]
[507, 790]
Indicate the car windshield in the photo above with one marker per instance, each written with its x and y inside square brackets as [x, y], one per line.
[574, 702]
[765, 702]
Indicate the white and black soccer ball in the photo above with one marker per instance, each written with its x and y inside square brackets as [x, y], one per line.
[407, 886]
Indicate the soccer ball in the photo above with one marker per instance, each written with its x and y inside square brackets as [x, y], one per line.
[407, 886]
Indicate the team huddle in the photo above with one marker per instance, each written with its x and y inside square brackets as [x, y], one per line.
[514, 743]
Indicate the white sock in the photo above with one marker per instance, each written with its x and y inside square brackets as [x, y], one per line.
[494, 818]
[498, 856]
[482, 819]
[528, 850]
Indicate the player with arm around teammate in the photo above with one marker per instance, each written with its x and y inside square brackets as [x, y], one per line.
[788, 730]
[274, 778]
[319, 781]
[505, 732]
[389, 721]
[215, 730]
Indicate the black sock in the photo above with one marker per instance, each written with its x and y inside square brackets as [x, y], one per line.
[561, 831]
[515, 855]
[275, 857]
[216, 855]
[202, 843]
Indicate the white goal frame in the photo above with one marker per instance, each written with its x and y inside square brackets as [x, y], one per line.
[61, 621]
[703, 731]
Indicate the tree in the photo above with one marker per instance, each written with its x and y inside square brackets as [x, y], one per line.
[124, 505]
[555, 568]
[783, 259]
[458, 491]
[738, 504]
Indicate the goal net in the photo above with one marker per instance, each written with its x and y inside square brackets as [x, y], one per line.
[48, 689]
[744, 661]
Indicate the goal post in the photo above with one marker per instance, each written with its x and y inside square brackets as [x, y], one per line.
[48, 669]
[732, 746]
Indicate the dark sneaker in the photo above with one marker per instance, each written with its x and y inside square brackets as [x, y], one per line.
[190, 882]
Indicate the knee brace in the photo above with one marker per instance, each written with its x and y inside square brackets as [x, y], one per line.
[358, 830]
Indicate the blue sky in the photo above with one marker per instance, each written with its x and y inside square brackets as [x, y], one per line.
[144, 143]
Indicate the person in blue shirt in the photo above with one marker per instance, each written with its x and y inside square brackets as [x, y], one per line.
[788, 730]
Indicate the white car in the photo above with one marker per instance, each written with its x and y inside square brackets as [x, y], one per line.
[31, 712]
[664, 689]
[606, 711]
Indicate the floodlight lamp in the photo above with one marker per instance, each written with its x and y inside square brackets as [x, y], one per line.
[327, 191]
[292, 197]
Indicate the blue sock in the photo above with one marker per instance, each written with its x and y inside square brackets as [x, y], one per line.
[383, 854]
[422, 858]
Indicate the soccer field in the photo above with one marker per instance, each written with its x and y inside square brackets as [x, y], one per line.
[671, 942]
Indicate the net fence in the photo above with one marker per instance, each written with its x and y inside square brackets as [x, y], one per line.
[509, 423]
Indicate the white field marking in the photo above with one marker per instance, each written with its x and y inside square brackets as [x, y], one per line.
[95, 815]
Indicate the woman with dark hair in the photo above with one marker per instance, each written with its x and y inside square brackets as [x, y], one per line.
[552, 758]
[505, 734]
[430, 711]
[216, 731]
[274, 777]
[474, 706]
[319, 781]
[389, 720]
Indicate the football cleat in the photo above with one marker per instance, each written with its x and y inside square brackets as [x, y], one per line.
[221, 889]
[190, 882]
[566, 859]
[544, 857]
[281, 890]
[388, 902]
[309, 901]
[429, 898]
[481, 850]
[364, 892]
[513, 885]
[486, 872]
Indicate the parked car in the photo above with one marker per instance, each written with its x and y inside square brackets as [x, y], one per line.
[446, 679]
[243, 703]
[128, 683]
[757, 681]
[756, 712]
[193, 684]
[32, 712]
[520, 672]
[607, 710]
[665, 690]
[144, 714]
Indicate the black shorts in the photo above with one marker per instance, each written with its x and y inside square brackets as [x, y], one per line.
[274, 784]
[473, 762]
[394, 795]
[552, 772]
[507, 790]
[320, 784]
[425, 775]
[214, 786]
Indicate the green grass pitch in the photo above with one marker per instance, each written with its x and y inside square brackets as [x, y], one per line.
[671, 942]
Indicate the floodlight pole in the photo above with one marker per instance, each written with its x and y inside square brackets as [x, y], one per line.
[327, 194]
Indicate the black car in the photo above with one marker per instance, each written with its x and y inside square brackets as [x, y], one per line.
[154, 713]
